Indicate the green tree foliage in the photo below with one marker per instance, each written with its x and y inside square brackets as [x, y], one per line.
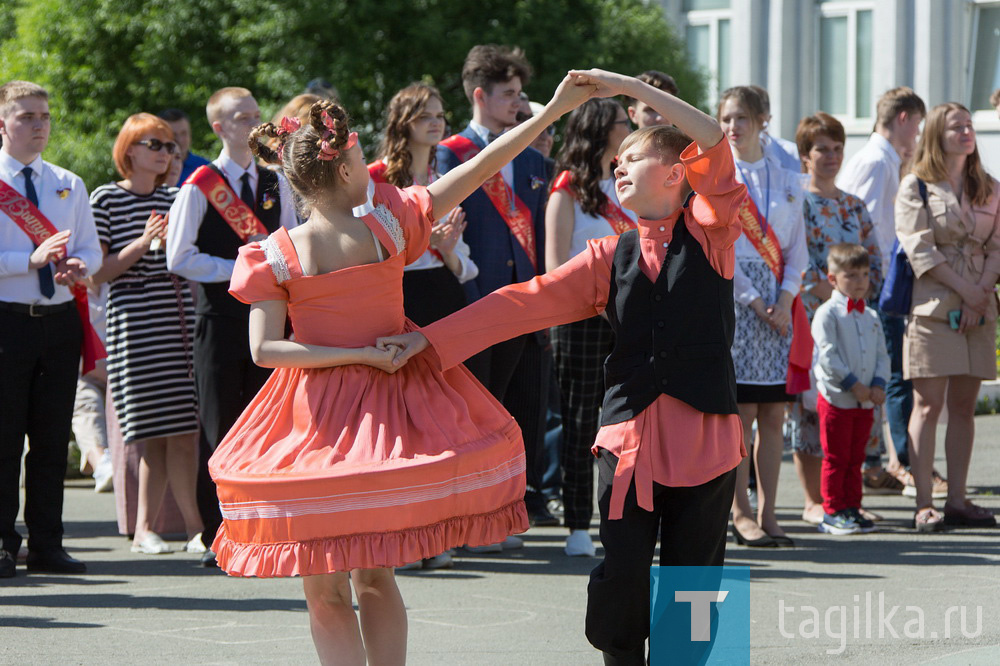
[103, 60]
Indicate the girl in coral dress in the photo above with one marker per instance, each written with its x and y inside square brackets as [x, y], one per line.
[345, 466]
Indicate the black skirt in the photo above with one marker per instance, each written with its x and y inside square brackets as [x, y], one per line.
[431, 294]
[761, 393]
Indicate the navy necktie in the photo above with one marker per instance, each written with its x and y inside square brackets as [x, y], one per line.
[246, 192]
[491, 137]
[45, 283]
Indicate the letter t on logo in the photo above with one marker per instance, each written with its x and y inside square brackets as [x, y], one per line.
[701, 619]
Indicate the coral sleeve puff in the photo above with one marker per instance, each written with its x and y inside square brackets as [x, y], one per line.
[253, 279]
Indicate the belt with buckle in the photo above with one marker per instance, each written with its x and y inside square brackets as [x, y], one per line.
[36, 309]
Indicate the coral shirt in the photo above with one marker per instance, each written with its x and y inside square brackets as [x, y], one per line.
[670, 442]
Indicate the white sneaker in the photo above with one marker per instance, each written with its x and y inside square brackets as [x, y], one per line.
[512, 543]
[579, 544]
[195, 545]
[103, 475]
[151, 545]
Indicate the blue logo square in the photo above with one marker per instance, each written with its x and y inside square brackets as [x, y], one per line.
[699, 615]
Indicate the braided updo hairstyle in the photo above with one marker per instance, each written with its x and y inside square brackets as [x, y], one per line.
[299, 159]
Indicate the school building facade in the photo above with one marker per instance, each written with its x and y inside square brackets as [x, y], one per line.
[839, 56]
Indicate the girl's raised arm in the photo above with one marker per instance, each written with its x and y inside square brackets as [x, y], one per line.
[452, 189]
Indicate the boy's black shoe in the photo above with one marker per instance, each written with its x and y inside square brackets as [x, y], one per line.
[7, 565]
[54, 560]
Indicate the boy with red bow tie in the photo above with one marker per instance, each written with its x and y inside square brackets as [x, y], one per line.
[851, 367]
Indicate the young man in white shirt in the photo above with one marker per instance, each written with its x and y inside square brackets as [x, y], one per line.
[872, 174]
[41, 332]
[202, 246]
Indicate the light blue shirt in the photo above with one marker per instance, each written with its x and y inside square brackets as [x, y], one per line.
[849, 348]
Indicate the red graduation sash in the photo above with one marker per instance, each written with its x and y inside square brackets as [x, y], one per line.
[511, 208]
[237, 214]
[612, 213]
[766, 244]
[38, 227]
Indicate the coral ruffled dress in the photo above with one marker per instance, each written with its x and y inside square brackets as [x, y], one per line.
[349, 467]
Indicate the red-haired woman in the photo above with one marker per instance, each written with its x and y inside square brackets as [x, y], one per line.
[150, 326]
[951, 235]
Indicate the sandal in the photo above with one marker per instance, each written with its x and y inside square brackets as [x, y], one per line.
[971, 515]
[928, 519]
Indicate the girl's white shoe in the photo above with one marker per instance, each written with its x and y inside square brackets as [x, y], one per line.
[195, 545]
[579, 544]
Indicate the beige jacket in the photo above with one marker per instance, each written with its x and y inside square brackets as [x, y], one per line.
[964, 236]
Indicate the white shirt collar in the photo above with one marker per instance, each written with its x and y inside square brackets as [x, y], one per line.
[880, 143]
[840, 300]
[233, 170]
[11, 167]
[481, 131]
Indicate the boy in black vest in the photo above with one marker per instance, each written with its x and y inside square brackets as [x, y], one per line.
[670, 437]
[202, 246]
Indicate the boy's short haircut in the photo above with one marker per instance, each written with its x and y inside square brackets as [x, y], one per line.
[817, 125]
[489, 64]
[844, 256]
[173, 115]
[668, 141]
[12, 91]
[895, 101]
[657, 79]
[220, 96]
[995, 98]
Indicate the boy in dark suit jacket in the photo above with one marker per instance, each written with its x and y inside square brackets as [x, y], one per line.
[506, 222]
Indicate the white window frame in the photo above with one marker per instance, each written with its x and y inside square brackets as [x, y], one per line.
[711, 18]
[982, 119]
[848, 9]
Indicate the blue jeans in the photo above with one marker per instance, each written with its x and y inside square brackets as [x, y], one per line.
[898, 391]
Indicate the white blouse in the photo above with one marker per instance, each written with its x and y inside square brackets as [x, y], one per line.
[782, 193]
[588, 227]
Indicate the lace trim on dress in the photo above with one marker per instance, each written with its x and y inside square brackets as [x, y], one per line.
[276, 260]
[391, 225]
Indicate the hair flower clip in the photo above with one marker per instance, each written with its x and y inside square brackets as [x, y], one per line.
[289, 125]
[326, 151]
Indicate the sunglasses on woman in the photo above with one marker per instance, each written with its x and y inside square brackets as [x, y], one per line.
[156, 145]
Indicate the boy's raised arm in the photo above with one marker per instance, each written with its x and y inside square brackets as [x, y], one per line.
[452, 188]
[702, 128]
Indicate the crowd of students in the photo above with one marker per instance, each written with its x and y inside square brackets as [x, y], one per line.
[338, 366]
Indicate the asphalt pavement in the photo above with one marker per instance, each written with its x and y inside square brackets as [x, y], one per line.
[828, 599]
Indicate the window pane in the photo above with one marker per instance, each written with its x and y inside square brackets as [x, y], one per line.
[724, 54]
[690, 5]
[863, 66]
[833, 64]
[697, 45]
[986, 60]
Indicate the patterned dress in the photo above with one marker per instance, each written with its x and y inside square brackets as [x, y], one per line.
[150, 323]
[828, 222]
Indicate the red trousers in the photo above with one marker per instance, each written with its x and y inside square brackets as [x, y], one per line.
[843, 433]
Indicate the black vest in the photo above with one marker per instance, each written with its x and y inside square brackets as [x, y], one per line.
[671, 337]
[218, 239]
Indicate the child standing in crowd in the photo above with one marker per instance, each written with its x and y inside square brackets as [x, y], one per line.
[671, 436]
[343, 468]
[642, 114]
[851, 367]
